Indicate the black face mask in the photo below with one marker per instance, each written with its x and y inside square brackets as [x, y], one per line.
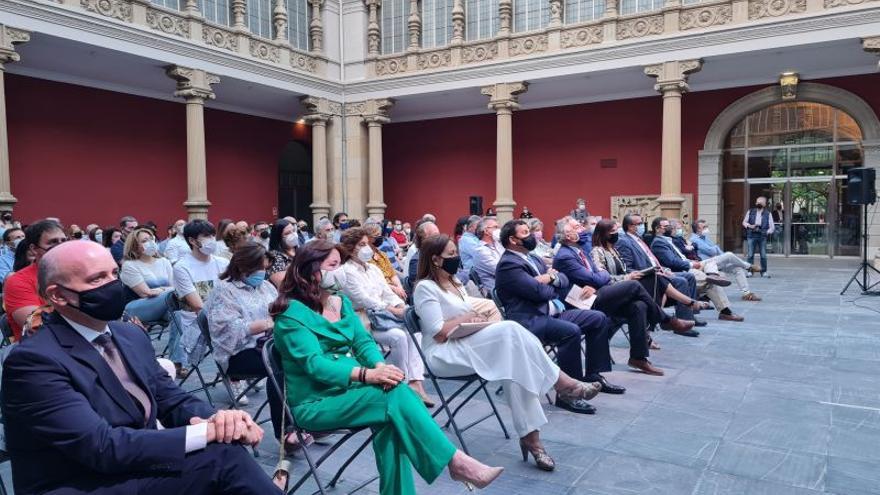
[104, 303]
[530, 242]
[668, 233]
[759, 206]
[613, 238]
[451, 265]
[378, 241]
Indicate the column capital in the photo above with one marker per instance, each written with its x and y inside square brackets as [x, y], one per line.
[504, 96]
[319, 109]
[9, 37]
[378, 111]
[192, 83]
[872, 45]
[672, 76]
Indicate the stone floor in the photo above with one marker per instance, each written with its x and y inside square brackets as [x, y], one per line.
[787, 402]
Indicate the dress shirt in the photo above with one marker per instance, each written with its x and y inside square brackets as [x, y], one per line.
[556, 306]
[675, 248]
[466, 247]
[7, 261]
[638, 240]
[705, 247]
[196, 435]
[771, 227]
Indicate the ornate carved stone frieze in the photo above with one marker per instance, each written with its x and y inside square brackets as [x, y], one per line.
[117, 9]
[168, 23]
[582, 36]
[219, 38]
[356, 108]
[829, 4]
[192, 83]
[759, 9]
[643, 26]
[434, 60]
[648, 207]
[9, 37]
[477, 53]
[391, 66]
[265, 51]
[303, 62]
[528, 45]
[703, 17]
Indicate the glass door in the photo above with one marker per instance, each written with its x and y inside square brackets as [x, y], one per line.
[809, 217]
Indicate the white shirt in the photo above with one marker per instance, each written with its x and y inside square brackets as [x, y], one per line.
[196, 435]
[177, 248]
[193, 275]
[771, 227]
[366, 286]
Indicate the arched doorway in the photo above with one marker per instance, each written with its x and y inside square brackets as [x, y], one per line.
[295, 181]
[796, 154]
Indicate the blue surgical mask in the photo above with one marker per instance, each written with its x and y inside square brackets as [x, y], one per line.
[584, 237]
[256, 279]
[640, 230]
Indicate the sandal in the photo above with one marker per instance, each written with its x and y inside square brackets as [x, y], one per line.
[653, 345]
[281, 476]
[698, 305]
[291, 444]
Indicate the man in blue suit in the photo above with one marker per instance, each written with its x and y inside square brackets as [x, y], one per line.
[625, 299]
[82, 400]
[530, 294]
[636, 255]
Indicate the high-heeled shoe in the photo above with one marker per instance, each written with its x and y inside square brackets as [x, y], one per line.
[472, 472]
[542, 459]
[583, 390]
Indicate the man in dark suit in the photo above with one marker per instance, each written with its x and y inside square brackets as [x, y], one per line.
[530, 294]
[620, 299]
[636, 255]
[82, 400]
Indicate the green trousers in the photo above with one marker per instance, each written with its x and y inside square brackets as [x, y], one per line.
[403, 432]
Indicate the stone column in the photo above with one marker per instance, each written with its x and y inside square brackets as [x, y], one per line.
[239, 12]
[376, 114]
[505, 17]
[9, 37]
[457, 23]
[671, 83]
[373, 30]
[318, 114]
[414, 23]
[191, 7]
[279, 20]
[504, 99]
[194, 86]
[316, 26]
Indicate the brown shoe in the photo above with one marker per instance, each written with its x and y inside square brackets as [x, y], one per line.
[645, 366]
[677, 325]
[718, 280]
[755, 269]
[730, 317]
[751, 296]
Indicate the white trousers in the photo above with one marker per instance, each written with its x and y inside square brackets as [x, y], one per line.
[732, 264]
[403, 354]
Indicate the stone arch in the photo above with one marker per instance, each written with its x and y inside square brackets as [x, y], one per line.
[709, 180]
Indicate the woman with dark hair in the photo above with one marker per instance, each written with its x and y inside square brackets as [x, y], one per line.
[23, 257]
[96, 234]
[238, 318]
[223, 228]
[518, 358]
[110, 236]
[336, 378]
[371, 296]
[606, 257]
[460, 227]
[283, 242]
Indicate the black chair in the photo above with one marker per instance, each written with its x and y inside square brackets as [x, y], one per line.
[275, 372]
[194, 368]
[6, 330]
[412, 325]
[475, 278]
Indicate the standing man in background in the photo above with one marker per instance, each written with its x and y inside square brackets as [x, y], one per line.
[758, 223]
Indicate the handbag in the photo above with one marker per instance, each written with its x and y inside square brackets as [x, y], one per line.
[382, 320]
[485, 308]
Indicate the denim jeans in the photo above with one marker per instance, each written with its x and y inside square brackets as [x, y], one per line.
[149, 309]
[757, 242]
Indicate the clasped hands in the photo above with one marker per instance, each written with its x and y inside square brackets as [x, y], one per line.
[384, 375]
[228, 426]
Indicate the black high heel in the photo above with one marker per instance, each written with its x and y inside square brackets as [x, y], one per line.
[542, 459]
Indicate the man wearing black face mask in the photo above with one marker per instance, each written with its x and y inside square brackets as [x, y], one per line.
[531, 295]
[84, 396]
[758, 223]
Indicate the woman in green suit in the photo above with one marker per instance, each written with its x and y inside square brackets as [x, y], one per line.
[336, 378]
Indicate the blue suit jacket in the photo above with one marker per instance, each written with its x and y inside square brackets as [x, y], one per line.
[68, 417]
[631, 254]
[663, 250]
[523, 297]
[568, 262]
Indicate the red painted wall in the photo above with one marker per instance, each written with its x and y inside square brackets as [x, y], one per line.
[556, 154]
[87, 155]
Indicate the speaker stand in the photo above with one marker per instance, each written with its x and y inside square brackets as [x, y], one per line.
[865, 268]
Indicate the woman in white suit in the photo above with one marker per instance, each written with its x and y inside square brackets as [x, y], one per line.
[503, 351]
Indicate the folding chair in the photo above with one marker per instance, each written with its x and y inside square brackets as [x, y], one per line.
[156, 329]
[6, 331]
[412, 325]
[173, 307]
[275, 372]
[475, 278]
[194, 367]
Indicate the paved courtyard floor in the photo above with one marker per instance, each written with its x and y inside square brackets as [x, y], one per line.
[787, 402]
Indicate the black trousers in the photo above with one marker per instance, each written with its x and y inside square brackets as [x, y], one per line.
[564, 331]
[248, 363]
[628, 299]
[219, 469]
[656, 286]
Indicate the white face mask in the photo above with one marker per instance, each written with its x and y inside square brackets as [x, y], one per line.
[151, 248]
[328, 280]
[15, 244]
[99, 237]
[365, 254]
[291, 240]
[705, 231]
[209, 247]
[496, 235]
[180, 229]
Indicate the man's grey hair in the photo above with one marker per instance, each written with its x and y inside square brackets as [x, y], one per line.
[124, 220]
[473, 220]
[534, 223]
[429, 217]
[481, 226]
[321, 224]
[560, 227]
[696, 225]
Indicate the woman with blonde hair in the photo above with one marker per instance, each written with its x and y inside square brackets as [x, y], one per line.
[147, 275]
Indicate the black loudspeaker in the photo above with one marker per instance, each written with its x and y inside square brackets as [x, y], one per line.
[860, 186]
[477, 205]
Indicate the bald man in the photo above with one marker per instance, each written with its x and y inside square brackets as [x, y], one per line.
[83, 397]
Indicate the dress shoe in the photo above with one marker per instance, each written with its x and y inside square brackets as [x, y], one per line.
[699, 323]
[677, 325]
[580, 406]
[755, 269]
[608, 388]
[688, 333]
[765, 275]
[645, 366]
[730, 317]
[718, 280]
[751, 296]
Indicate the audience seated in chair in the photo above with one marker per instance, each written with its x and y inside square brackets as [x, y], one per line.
[726, 261]
[424, 230]
[148, 275]
[488, 252]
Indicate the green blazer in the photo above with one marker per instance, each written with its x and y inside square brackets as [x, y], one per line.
[318, 356]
